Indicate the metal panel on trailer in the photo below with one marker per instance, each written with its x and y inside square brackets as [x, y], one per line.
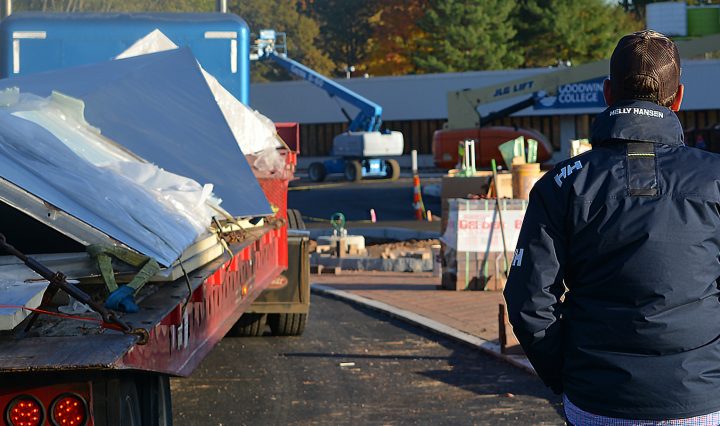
[37, 171]
[160, 108]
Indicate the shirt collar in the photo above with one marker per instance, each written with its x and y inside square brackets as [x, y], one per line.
[637, 121]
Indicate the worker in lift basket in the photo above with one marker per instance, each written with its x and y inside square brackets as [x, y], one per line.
[629, 233]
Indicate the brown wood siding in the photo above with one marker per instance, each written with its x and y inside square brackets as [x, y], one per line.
[316, 139]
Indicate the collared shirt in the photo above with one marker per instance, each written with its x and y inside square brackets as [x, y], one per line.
[579, 417]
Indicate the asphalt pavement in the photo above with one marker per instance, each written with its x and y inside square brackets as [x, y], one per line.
[356, 366]
[392, 201]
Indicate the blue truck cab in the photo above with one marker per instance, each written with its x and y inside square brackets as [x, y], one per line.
[36, 42]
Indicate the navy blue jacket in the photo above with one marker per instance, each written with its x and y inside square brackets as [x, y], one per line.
[613, 290]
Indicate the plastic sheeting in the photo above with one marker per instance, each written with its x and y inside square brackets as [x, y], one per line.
[47, 149]
[159, 107]
[254, 133]
[63, 117]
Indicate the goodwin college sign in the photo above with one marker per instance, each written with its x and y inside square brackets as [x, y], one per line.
[584, 94]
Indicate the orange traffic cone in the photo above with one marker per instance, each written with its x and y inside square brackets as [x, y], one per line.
[417, 199]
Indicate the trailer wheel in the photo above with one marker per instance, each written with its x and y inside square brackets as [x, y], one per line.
[392, 169]
[287, 324]
[130, 412]
[317, 172]
[154, 392]
[353, 171]
[295, 220]
[249, 325]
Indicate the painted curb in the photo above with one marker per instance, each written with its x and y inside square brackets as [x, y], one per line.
[428, 324]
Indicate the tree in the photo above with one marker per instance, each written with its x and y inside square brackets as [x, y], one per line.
[115, 5]
[345, 29]
[465, 35]
[395, 37]
[302, 35]
[570, 30]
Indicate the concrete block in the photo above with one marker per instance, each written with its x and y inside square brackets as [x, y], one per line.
[359, 263]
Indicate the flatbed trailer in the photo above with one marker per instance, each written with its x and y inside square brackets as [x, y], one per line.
[120, 380]
[123, 381]
[117, 379]
[105, 377]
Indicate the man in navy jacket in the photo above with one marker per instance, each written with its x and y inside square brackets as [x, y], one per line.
[613, 288]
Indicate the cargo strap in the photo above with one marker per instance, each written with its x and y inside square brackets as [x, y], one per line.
[641, 169]
[103, 256]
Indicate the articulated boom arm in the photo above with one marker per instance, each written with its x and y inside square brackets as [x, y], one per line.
[462, 104]
[368, 119]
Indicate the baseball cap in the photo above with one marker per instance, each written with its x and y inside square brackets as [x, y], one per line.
[645, 65]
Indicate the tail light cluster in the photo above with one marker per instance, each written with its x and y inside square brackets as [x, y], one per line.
[25, 410]
[65, 409]
[69, 410]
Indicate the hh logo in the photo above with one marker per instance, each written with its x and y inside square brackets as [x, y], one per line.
[567, 171]
[517, 259]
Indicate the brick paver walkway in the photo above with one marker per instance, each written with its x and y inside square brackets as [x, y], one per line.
[474, 312]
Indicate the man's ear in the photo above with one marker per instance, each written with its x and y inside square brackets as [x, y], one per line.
[607, 92]
[678, 98]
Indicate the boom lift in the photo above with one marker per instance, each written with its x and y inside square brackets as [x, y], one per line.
[463, 104]
[356, 152]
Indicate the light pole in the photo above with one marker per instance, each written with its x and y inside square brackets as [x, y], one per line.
[349, 70]
[7, 8]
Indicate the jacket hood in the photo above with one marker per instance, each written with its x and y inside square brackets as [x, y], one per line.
[638, 121]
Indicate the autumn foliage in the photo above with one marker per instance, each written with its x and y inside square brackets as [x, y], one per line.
[399, 37]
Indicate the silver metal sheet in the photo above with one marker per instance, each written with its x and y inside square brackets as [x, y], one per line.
[159, 107]
[44, 178]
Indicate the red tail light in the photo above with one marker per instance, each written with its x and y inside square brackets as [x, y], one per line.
[24, 411]
[69, 410]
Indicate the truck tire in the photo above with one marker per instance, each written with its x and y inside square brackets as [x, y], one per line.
[154, 392]
[287, 324]
[132, 399]
[130, 410]
[392, 169]
[249, 325]
[317, 172]
[353, 171]
[295, 220]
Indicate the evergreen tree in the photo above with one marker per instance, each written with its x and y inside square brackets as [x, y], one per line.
[302, 35]
[570, 30]
[465, 35]
[345, 30]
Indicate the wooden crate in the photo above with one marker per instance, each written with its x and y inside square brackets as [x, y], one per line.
[473, 271]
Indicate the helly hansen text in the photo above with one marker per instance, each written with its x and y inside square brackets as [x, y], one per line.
[637, 111]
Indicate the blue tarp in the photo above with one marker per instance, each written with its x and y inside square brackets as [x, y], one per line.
[159, 107]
